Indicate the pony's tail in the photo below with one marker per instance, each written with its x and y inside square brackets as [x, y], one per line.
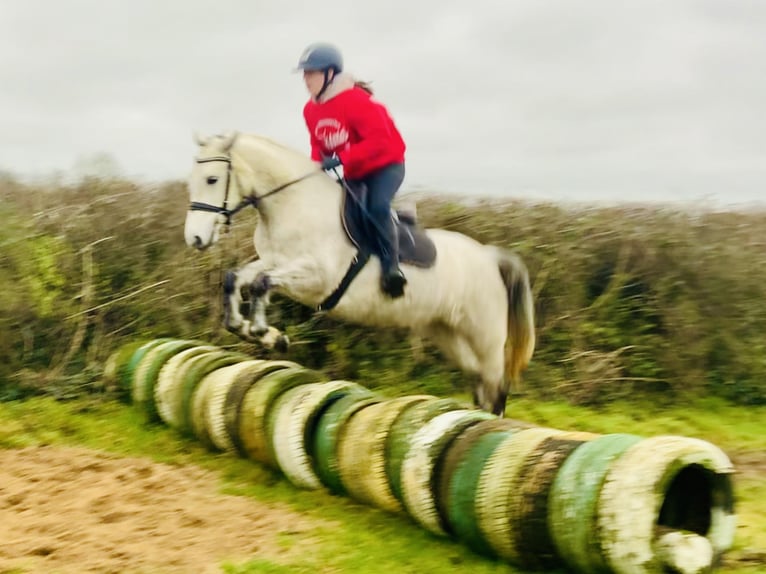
[520, 344]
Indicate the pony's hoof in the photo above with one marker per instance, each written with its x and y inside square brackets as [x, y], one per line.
[257, 332]
[282, 344]
[233, 326]
[274, 339]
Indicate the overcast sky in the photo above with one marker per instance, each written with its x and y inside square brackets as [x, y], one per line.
[555, 99]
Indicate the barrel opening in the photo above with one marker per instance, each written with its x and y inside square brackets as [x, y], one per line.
[689, 500]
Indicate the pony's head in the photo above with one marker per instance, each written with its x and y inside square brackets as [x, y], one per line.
[236, 170]
[213, 189]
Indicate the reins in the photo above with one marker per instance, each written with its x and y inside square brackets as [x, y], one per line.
[253, 199]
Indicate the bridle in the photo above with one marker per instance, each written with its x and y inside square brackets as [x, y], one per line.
[252, 199]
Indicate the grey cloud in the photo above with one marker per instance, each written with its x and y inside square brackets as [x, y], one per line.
[592, 99]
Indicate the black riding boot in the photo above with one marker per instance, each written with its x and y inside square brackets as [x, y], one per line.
[392, 279]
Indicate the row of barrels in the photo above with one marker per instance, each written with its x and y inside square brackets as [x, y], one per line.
[537, 497]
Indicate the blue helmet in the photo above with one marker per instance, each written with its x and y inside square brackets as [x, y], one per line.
[321, 57]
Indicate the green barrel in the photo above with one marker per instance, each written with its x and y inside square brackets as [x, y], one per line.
[233, 404]
[199, 368]
[257, 403]
[362, 452]
[533, 540]
[146, 377]
[659, 495]
[115, 364]
[456, 495]
[167, 391]
[422, 465]
[127, 374]
[498, 490]
[574, 498]
[214, 410]
[402, 431]
[331, 425]
[292, 424]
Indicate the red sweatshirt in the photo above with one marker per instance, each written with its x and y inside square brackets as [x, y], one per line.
[349, 122]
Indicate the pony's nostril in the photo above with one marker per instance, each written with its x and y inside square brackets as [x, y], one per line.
[197, 241]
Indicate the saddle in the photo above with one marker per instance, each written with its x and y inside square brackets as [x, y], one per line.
[415, 247]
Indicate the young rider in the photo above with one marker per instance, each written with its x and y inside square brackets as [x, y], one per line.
[348, 127]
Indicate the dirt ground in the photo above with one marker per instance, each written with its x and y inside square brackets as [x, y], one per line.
[73, 510]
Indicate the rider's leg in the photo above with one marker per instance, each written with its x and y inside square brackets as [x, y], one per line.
[381, 188]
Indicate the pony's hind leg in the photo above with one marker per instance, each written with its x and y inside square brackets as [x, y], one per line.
[233, 283]
[458, 350]
[270, 337]
[491, 393]
[232, 299]
[454, 346]
[486, 368]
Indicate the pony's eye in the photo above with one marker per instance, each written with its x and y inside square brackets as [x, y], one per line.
[212, 180]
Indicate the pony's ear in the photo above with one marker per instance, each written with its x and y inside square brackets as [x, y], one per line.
[228, 140]
[201, 141]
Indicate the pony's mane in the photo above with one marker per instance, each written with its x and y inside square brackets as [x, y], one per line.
[284, 162]
[260, 161]
[294, 154]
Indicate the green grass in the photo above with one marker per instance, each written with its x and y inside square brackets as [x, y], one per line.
[363, 539]
[267, 567]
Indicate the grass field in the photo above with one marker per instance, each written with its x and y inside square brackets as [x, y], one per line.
[364, 539]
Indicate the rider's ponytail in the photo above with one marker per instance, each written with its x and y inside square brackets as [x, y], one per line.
[364, 85]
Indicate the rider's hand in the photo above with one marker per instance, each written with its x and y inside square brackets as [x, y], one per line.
[330, 162]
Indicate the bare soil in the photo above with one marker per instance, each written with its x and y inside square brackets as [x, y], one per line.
[73, 510]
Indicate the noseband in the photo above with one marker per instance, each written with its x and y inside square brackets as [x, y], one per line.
[253, 199]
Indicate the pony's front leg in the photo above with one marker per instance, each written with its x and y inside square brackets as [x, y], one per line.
[302, 274]
[259, 328]
[234, 282]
